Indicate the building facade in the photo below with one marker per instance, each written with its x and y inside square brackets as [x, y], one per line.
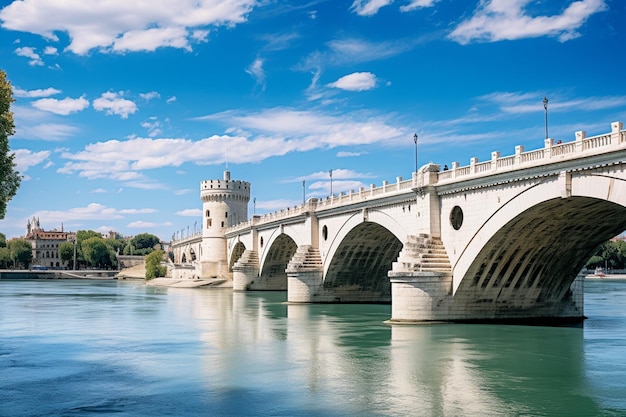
[46, 244]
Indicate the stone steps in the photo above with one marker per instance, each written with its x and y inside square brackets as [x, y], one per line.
[423, 254]
[248, 259]
[305, 258]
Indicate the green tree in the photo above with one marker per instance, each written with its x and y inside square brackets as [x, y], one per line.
[21, 252]
[9, 178]
[95, 251]
[3, 240]
[66, 252]
[86, 234]
[144, 243]
[5, 257]
[154, 269]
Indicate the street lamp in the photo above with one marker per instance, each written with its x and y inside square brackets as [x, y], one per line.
[254, 206]
[303, 192]
[331, 181]
[545, 106]
[415, 141]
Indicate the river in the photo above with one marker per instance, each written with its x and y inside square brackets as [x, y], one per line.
[83, 348]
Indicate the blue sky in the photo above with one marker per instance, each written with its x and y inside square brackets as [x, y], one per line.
[123, 107]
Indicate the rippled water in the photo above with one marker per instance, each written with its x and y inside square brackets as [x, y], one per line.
[74, 348]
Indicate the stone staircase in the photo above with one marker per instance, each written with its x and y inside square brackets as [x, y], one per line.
[306, 258]
[249, 260]
[423, 253]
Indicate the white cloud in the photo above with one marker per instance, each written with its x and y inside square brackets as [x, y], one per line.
[50, 50]
[93, 211]
[496, 20]
[519, 103]
[46, 92]
[418, 4]
[63, 107]
[190, 212]
[122, 25]
[137, 211]
[357, 81]
[271, 205]
[25, 158]
[256, 71]
[52, 132]
[349, 154]
[114, 103]
[99, 191]
[151, 39]
[150, 95]
[369, 7]
[28, 52]
[275, 132]
[171, 100]
[145, 225]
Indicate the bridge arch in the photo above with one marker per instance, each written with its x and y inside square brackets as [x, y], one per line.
[279, 252]
[529, 251]
[236, 253]
[361, 261]
[381, 218]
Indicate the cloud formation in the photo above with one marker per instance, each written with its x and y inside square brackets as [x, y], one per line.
[63, 107]
[357, 81]
[122, 25]
[497, 20]
[114, 103]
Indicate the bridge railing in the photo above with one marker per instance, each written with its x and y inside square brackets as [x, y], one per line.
[550, 152]
[176, 241]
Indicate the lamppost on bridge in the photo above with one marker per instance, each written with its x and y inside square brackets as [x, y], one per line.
[330, 173]
[303, 191]
[254, 206]
[415, 141]
[545, 107]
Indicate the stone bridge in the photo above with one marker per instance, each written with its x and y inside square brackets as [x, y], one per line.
[503, 239]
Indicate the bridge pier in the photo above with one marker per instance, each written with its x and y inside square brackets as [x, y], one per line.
[305, 277]
[420, 296]
[245, 270]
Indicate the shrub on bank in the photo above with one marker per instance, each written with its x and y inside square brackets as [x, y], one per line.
[154, 269]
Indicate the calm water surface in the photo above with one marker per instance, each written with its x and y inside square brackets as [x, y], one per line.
[75, 348]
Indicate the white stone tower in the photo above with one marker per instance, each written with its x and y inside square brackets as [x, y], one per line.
[224, 204]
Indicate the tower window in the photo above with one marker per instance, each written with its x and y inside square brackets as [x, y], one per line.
[208, 213]
[226, 215]
[222, 224]
[208, 223]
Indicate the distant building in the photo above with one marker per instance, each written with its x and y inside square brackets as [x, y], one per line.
[46, 244]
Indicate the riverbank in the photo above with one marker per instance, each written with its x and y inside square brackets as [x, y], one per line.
[606, 276]
[57, 274]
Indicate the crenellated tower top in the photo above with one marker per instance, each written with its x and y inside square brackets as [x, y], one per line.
[225, 190]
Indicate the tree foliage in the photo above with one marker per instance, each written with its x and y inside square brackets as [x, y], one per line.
[66, 252]
[86, 234]
[144, 243]
[9, 178]
[610, 254]
[154, 269]
[5, 257]
[21, 252]
[95, 252]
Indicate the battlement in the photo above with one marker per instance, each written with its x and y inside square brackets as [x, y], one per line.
[222, 185]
